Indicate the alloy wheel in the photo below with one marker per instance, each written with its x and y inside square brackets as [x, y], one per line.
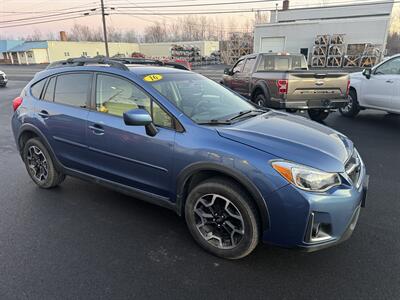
[37, 163]
[219, 221]
[349, 105]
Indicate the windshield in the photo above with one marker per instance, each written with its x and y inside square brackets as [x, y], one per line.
[282, 63]
[201, 99]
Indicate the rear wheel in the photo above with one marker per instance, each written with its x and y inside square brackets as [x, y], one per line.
[222, 218]
[352, 108]
[40, 165]
[318, 114]
[260, 100]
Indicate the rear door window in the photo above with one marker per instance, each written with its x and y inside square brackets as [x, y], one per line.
[73, 89]
[248, 67]
[37, 88]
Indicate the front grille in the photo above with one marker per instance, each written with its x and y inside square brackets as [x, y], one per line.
[353, 167]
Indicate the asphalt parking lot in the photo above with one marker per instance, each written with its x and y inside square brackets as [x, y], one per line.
[85, 241]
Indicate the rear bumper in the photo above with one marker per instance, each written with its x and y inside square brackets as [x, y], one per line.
[311, 104]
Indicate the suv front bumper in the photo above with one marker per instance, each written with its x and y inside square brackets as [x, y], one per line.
[336, 214]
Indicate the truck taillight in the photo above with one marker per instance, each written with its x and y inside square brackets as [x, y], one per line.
[348, 88]
[16, 103]
[283, 86]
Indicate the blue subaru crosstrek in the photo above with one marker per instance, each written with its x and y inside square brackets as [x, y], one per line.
[239, 173]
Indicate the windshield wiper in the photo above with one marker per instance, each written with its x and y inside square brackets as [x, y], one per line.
[244, 113]
[215, 122]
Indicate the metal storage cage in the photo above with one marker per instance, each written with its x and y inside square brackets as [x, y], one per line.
[322, 40]
[318, 61]
[337, 39]
[334, 61]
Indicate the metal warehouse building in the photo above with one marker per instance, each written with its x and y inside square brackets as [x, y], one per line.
[295, 30]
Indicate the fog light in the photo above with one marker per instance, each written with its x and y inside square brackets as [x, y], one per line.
[318, 229]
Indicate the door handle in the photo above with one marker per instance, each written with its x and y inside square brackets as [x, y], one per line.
[44, 114]
[97, 129]
[389, 81]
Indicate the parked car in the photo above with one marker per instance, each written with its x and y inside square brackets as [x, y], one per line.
[283, 81]
[3, 79]
[376, 88]
[239, 174]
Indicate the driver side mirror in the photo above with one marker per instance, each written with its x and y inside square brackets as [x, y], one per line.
[227, 71]
[367, 73]
[140, 117]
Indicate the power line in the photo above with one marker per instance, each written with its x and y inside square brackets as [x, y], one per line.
[43, 22]
[48, 11]
[46, 16]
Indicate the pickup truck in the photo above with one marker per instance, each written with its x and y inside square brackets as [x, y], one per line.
[376, 88]
[283, 81]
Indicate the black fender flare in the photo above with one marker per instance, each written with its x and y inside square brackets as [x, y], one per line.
[32, 128]
[192, 169]
[263, 86]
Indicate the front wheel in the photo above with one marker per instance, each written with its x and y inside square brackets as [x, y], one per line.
[222, 218]
[318, 115]
[40, 165]
[352, 108]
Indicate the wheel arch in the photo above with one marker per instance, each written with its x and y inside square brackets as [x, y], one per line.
[196, 173]
[260, 87]
[28, 131]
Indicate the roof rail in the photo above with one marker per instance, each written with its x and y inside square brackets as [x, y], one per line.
[82, 61]
[146, 61]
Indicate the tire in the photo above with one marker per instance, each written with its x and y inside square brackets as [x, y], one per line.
[40, 165]
[260, 100]
[317, 114]
[232, 230]
[352, 108]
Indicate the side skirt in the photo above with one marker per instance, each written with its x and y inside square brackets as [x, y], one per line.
[124, 189]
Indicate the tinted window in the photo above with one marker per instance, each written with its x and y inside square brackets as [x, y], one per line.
[73, 89]
[390, 67]
[116, 96]
[238, 67]
[37, 88]
[282, 63]
[49, 93]
[248, 67]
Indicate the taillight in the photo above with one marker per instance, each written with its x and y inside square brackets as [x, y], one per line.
[17, 102]
[283, 86]
[348, 88]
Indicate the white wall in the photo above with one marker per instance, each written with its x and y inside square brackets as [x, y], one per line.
[302, 34]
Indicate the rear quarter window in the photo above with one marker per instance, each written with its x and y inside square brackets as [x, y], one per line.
[37, 88]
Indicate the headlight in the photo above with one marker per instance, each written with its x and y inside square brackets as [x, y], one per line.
[306, 178]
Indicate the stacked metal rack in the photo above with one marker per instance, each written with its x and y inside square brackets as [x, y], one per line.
[188, 53]
[362, 55]
[320, 51]
[336, 50]
[239, 44]
[371, 56]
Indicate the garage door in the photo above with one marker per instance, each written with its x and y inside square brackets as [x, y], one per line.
[272, 44]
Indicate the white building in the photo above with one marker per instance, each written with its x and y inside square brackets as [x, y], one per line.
[294, 30]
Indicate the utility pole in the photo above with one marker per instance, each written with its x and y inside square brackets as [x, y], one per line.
[104, 28]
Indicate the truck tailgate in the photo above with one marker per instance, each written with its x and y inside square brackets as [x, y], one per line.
[318, 86]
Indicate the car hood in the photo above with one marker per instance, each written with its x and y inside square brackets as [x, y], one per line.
[293, 138]
[356, 75]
